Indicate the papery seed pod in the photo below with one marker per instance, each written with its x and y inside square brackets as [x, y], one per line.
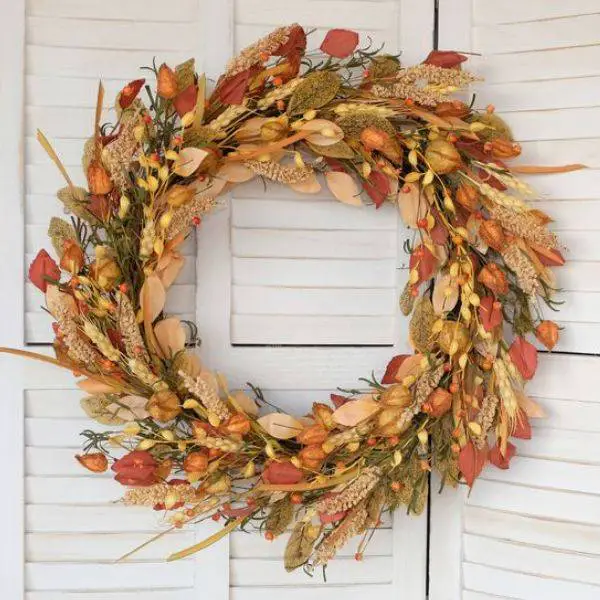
[503, 148]
[493, 278]
[547, 334]
[312, 457]
[396, 395]
[491, 232]
[453, 336]
[237, 424]
[467, 196]
[438, 403]
[99, 181]
[452, 108]
[315, 434]
[195, 462]
[95, 462]
[442, 156]
[72, 258]
[164, 406]
[166, 86]
[323, 415]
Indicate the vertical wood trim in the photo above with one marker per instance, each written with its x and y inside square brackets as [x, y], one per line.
[416, 30]
[12, 67]
[409, 555]
[12, 198]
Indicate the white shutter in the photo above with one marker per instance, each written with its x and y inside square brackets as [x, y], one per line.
[533, 531]
[299, 294]
[61, 528]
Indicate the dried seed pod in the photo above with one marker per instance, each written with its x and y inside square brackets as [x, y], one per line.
[315, 434]
[438, 403]
[95, 462]
[453, 336]
[312, 456]
[547, 333]
[99, 181]
[195, 462]
[491, 232]
[452, 108]
[503, 148]
[492, 276]
[467, 196]
[164, 406]
[166, 82]
[396, 395]
[442, 156]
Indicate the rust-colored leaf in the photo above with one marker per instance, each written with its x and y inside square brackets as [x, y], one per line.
[340, 43]
[43, 270]
[502, 460]
[524, 356]
[281, 473]
[471, 461]
[446, 59]
[392, 369]
[490, 313]
[522, 427]
[377, 187]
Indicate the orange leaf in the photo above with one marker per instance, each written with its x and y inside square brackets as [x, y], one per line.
[540, 170]
[499, 459]
[524, 356]
[392, 368]
[522, 429]
[411, 366]
[281, 473]
[471, 461]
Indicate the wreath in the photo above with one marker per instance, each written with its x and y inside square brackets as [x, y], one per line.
[374, 131]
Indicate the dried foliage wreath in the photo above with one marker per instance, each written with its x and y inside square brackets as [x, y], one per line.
[372, 130]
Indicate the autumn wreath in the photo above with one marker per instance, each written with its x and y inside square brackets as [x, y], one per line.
[374, 131]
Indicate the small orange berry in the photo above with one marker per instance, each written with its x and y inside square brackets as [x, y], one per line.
[396, 486]
[296, 498]
[458, 240]
[452, 138]
[409, 102]
[393, 440]
[277, 81]
[422, 223]
[490, 108]
[371, 441]
[280, 105]
[189, 512]
[454, 388]
[196, 221]
[414, 292]
[358, 556]
[269, 536]
[216, 516]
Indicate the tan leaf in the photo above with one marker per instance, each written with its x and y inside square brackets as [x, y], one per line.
[354, 412]
[95, 407]
[310, 185]
[410, 366]
[168, 268]
[129, 408]
[93, 386]
[189, 160]
[343, 187]
[412, 204]
[326, 133]
[250, 129]
[442, 302]
[152, 297]
[189, 363]
[235, 172]
[244, 403]
[280, 425]
[170, 336]
[300, 545]
[531, 408]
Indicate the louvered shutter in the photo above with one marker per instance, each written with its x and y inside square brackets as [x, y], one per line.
[298, 294]
[61, 529]
[533, 531]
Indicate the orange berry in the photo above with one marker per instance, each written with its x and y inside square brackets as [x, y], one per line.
[458, 240]
[409, 102]
[422, 223]
[251, 502]
[358, 556]
[189, 512]
[452, 138]
[490, 108]
[414, 292]
[455, 448]
[196, 221]
[454, 388]
[371, 441]
[277, 81]
[396, 486]
[269, 536]
[280, 105]
[393, 440]
[216, 516]
[296, 498]
[123, 288]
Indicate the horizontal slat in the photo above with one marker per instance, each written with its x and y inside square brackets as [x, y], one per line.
[536, 66]
[548, 474]
[107, 518]
[56, 433]
[324, 592]
[144, 10]
[563, 445]
[579, 276]
[540, 95]
[57, 404]
[254, 300]
[292, 330]
[583, 508]
[578, 30]
[101, 547]
[249, 545]
[527, 530]
[72, 490]
[94, 63]
[132, 35]
[564, 123]
[584, 151]
[307, 213]
[581, 307]
[313, 243]
[536, 561]
[314, 273]
[326, 13]
[251, 572]
[124, 576]
[500, 582]
[582, 244]
[579, 338]
[510, 11]
[569, 414]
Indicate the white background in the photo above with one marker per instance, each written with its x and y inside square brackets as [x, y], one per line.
[277, 274]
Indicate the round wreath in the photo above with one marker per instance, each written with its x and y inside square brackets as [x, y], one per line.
[374, 131]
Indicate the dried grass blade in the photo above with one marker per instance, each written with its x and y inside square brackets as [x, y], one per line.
[45, 144]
